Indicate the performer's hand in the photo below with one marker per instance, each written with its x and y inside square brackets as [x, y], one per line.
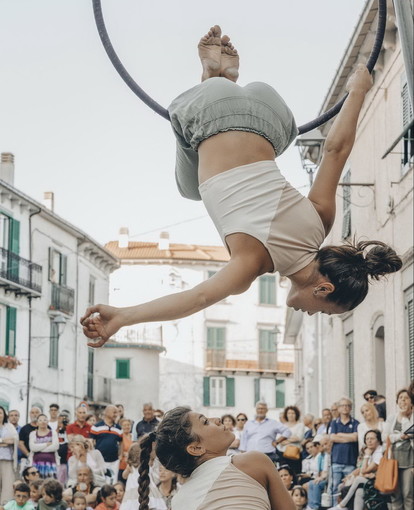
[360, 80]
[100, 322]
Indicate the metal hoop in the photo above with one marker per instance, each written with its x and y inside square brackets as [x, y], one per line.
[97, 10]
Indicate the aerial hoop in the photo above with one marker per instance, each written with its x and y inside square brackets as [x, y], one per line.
[97, 10]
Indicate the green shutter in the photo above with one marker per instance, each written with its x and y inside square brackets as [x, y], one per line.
[14, 236]
[122, 368]
[267, 290]
[5, 404]
[54, 345]
[280, 393]
[11, 331]
[63, 270]
[216, 338]
[206, 391]
[256, 391]
[49, 272]
[230, 400]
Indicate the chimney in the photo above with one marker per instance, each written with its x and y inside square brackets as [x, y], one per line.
[123, 238]
[49, 200]
[164, 241]
[7, 167]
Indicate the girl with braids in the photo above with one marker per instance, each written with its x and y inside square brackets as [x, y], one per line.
[195, 447]
[227, 140]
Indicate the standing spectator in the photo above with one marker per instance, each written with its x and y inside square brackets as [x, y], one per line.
[25, 433]
[83, 454]
[335, 410]
[308, 420]
[14, 417]
[344, 437]
[62, 469]
[371, 422]
[91, 419]
[21, 498]
[325, 426]
[80, 425]
[148, 423]
[378, 401]
[108, 436]
[126, 426]
[229, 422]
[8, 456]
[261, 433]
[53, 416]
[241, 420]
[121, 412]
[291, 416]
[318, 484]
[159, 414]
[44, 444]
[402, 450]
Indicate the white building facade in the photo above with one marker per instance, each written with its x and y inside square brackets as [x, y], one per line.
[50, 272]
[222, 359]
[371, 347]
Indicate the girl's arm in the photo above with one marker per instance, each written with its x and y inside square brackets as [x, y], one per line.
[54, 447]
[33, 445]
[234, 278]
[338, 146]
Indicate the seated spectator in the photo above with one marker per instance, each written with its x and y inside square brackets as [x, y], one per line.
[83, 455]
[318, 484]
[52, 496]
[309, 464]
[21, 498]
[371, 460]
[300, 498]
[30, 474]
[326, 422]
[106, 498]
[120, 491]
[44, 445]
[79, 502]
[159, 414]
[378, 401]
[84, 483]
[287, 476]
[35, 492]
[308, 421]
[160, 495]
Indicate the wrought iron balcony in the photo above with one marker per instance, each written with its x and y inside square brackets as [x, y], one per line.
[19, 275]
[63, 299]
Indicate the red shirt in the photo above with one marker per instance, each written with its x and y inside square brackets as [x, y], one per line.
[75, 428]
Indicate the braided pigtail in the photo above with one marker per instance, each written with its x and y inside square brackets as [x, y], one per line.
[143, 470]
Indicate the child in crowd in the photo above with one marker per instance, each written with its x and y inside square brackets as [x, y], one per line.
[300, 498]
[79, 502]
[107, 498]
[120, 491]
[35, 492]
[21, 498]
[52, 496]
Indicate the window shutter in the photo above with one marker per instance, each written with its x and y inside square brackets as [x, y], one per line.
[63, 270]
[407, 108]
[11, 331]
[280, 393]
[14, 236]
[122, 368]
[256, 391]
[206, 391]
[410, 330]
[230, 400]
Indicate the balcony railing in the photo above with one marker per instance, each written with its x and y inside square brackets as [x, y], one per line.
[215, 358]
[20, 275]
[268, 360]
[63, 299]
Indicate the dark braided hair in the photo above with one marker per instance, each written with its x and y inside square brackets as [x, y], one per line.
[172, 437]
[348, 268]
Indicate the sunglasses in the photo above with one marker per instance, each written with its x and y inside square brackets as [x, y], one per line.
[241, 419]
[33, 472]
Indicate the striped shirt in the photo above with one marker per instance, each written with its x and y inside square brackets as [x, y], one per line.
[107, 439]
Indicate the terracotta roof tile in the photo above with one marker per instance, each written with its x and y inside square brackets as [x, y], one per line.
[149, 251]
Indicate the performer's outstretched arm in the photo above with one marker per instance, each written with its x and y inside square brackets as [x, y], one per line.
[234, 278]
[338, 146]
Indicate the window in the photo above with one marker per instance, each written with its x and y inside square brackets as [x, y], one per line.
[58, 267]
[9, 241]
[216, 338]
[219, 392]
[267, 340]
[91, 293]
[280, 393]
[267, 290]
[346, 206]
[266, 391]
[11, 314]
[409, 313]
[350, 369]
[122, 368]
[408, 126]
[4, 403]
[54, 345]
[211, 273]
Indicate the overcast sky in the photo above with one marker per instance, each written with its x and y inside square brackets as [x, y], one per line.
[77, 130]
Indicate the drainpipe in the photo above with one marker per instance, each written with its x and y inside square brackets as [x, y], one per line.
[29, 349]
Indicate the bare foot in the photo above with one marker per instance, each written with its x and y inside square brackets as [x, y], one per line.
[229, 60]
[209, 50]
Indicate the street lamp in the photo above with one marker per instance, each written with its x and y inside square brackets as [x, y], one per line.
[310, 149]
[60, 321]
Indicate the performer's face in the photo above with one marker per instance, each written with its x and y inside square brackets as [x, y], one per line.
[213, 437]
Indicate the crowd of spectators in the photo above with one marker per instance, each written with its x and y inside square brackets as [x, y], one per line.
[324, 462]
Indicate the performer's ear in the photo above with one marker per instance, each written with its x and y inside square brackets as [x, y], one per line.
[195, 449]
